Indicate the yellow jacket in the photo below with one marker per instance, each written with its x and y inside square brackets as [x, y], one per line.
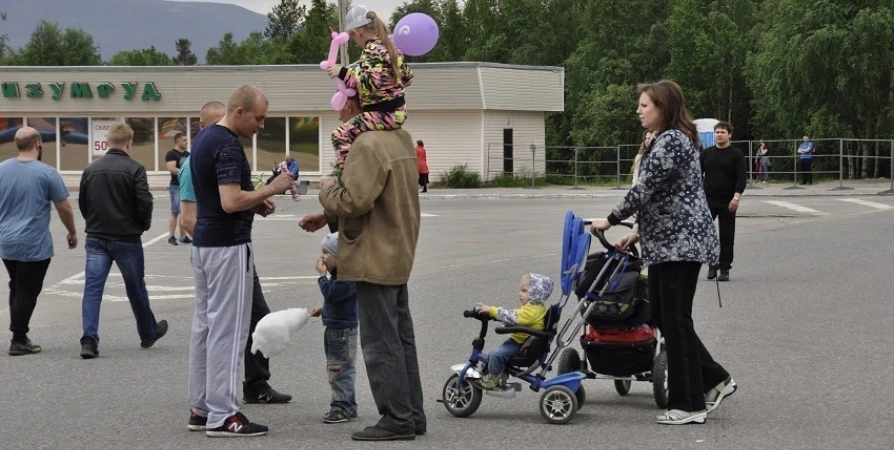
[530, 315]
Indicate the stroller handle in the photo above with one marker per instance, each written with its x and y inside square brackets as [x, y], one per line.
[601, 235]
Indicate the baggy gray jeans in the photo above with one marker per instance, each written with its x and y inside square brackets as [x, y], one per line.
[219, 329]
[389, 349]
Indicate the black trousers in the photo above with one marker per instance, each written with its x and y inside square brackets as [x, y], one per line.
[388, 343]
[806, 173]
[727, 233]
[257, 367]
[25, 283]
[691, 371]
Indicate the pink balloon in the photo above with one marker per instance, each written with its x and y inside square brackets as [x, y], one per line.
[416, 34]
[343, 93]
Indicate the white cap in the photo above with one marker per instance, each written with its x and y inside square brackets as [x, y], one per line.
[356, 17]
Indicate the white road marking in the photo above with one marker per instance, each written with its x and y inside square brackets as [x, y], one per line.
[429, 215]
[154, 240]
[794, 207]
[879, 206]
[72, 279]
[289, 278]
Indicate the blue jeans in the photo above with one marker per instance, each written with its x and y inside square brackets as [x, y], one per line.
[175, 199]
[129, 258]
[340, 345]
[498, 357]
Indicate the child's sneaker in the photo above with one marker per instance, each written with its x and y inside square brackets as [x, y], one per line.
[237, 426]
[491, 382]
[196, 422]
[336, 416]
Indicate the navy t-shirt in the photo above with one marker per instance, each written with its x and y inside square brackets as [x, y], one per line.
[218, 159]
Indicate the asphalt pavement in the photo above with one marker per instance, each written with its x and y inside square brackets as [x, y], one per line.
[804, 330]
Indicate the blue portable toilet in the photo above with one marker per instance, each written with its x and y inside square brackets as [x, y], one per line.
[705, 129]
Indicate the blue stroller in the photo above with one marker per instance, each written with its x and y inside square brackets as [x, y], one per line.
[562, 395]
[621, 342]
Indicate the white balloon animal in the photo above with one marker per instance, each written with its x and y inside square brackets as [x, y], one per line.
[275, 330]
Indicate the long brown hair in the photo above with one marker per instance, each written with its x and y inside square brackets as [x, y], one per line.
[668, 97]
[642, 149]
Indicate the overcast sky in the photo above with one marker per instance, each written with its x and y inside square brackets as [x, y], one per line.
[382, 7]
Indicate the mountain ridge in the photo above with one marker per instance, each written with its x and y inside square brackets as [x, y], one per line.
[118, 25]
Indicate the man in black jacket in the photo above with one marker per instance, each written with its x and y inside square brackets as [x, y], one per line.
[115, 201]
[724, 169]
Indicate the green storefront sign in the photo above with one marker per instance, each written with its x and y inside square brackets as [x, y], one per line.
[82, 90]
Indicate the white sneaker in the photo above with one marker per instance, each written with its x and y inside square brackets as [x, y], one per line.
[718, 393]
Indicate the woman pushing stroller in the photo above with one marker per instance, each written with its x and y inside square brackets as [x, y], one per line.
[678, 236]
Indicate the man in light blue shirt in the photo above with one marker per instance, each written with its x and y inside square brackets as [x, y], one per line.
[27, 186]
[805, 160]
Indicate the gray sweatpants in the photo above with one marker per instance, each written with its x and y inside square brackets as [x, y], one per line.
[219, 329]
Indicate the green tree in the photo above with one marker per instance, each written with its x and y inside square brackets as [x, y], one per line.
[4, 46]
[254, 50]
[145, 57]
[185, 56]
[708, 42]
[51, 46]
[825, 69]
[310, 44]
[285, 19]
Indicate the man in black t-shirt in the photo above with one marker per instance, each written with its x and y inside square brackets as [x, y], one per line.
[724, 169]
[223, 263]
[173, 161]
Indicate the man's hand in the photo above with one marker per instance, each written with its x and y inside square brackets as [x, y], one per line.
[266, 208]
[334, 71]
[627, 241]
[734, 205]
[282, 182]
[321, 267]
[313, 222]
[316, 312]
[72, 239]
[326, 182]
[599, 225]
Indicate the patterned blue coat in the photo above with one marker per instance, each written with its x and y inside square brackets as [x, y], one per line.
[669, 201]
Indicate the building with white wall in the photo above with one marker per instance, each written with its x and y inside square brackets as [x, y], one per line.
[482, 115]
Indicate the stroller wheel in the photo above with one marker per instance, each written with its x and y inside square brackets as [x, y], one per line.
[659, 379]
[462, 401]
[623, 387]
[558, 404]
[569, 361]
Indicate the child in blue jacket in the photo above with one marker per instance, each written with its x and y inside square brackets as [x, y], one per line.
[339, 313]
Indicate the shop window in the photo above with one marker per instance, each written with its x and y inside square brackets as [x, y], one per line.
[168, 128]
[271, 144]
[8, 128]
[75, 140]
[46, 126]
[304, 143]
[143, 150]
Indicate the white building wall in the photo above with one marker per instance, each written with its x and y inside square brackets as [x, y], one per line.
[527, 127]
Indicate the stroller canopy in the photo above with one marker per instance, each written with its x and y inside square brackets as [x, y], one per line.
[575, 245]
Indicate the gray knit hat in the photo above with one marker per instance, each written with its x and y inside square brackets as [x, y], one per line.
[330, 243]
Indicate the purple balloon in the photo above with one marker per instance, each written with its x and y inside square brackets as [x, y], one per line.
[416, 34]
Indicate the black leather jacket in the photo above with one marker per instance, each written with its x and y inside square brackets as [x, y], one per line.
[114, 198]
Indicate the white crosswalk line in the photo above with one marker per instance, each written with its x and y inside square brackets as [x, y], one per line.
[879, 206]
[794, 207]
[428, 215]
